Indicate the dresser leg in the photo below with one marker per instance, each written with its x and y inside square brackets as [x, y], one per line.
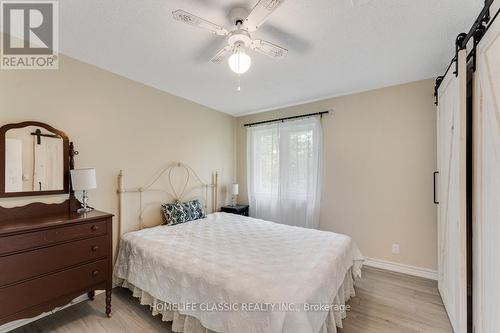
[91, 295]
[108, 303]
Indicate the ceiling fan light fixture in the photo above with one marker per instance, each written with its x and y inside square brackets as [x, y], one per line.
[239, 38]
[240, 62]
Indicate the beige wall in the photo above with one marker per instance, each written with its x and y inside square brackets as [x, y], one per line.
[118, 124]
[379, 148]
[380, 152]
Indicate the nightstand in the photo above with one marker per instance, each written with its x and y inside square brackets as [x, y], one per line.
[238, 209]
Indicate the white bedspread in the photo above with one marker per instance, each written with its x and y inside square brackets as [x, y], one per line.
[231, 260]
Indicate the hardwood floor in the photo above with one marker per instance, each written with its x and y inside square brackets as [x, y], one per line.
[390, 302]
[385, 302]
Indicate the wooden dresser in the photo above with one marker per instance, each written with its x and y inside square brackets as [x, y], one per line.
[48, 257]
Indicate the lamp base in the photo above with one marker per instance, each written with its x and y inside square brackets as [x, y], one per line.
[84, 210]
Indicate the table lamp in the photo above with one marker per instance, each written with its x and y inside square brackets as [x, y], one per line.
[84, 180]
[234, 191]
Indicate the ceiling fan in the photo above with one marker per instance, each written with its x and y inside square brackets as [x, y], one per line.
[239, 38]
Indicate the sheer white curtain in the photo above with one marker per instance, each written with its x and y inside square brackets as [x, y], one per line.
[284, 170]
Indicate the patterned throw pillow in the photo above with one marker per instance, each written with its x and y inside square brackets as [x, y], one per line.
[180, 212]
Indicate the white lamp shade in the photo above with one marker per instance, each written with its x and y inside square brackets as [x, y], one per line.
[83, 179]
[234, 189]
[239, 62]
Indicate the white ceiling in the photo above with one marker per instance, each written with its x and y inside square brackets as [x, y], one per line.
[335, 48]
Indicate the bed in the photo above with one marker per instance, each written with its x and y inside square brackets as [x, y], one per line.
[235, 274]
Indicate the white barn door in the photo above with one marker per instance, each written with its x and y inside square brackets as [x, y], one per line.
[486, 206]
[452, 196]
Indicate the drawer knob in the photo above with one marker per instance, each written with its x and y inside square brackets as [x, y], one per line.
[94, 228]
[95, 248]
[95, 273]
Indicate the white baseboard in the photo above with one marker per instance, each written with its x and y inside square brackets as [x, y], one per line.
[402, 268]
[21, 322]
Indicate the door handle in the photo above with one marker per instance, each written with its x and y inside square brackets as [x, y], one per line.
[435, 195]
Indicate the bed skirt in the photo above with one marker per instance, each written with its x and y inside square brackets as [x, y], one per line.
[188, 324]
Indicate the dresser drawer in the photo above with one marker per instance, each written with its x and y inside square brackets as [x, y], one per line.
[48, 237]
[35, 292]
[46, 260]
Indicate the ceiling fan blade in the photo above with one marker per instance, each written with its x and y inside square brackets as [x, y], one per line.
[260, 13]
[222, 54]
[183, 16]
[269, 49]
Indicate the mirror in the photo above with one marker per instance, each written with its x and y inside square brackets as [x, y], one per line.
[34, 160]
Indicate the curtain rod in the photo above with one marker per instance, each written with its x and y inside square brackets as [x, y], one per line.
[287, 118]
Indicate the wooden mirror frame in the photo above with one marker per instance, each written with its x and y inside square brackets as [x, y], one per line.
[3, 131]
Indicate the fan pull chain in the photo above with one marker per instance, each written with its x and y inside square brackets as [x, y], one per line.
[239, 82]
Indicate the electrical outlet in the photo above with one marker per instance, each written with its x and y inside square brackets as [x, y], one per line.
[395, 248]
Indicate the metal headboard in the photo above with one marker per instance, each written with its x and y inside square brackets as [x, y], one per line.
[173, 193]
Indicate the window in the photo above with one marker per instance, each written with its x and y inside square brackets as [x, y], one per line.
[284, 170]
